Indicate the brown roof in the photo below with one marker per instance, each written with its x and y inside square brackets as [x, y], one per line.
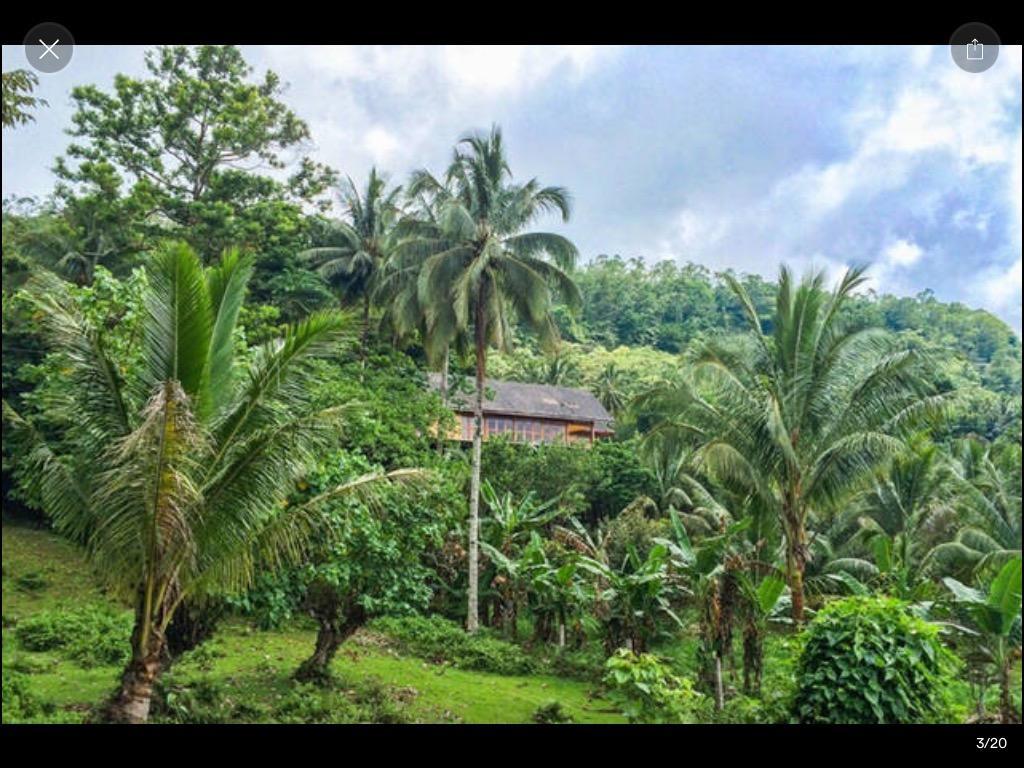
[537, 400]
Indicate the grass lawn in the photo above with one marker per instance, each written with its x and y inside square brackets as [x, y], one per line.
[252, 667]
[244, 673]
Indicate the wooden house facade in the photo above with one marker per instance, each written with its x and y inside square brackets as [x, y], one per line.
[530, 413]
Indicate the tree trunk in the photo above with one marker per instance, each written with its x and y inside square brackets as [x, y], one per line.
[444, 377]
[333, 631]
[472, 616]
[753, 659]
[719, 691]
[444, 398]
[796, 561]
[364, 339]
[131, 702]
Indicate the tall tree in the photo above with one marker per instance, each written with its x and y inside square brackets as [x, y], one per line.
[800, 417]
[481, 274]
[175, 475]
[187, 141]
[355, 266]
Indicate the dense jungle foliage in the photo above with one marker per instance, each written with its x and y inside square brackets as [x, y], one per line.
[215, 403]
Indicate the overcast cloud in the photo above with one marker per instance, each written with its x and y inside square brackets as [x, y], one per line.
[733, 157]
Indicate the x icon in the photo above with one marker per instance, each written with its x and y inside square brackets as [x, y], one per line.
[49, 49]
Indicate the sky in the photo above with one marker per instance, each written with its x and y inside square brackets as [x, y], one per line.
[733, 157]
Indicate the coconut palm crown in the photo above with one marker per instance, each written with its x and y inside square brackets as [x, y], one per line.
[175, 476]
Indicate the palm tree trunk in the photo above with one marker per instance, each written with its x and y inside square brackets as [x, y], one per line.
[444, 397]
[131, 702]
[444, 377]
[719, 691]
[796, 559]
[364, 338]
[473, 617]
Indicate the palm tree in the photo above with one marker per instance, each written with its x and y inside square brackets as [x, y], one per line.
[559, 369]
[799, 419]
[899, 521]
[988, 485]
[608, 389]
[175, 475]
[355, 266]
[481, 274]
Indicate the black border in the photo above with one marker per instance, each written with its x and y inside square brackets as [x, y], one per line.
[670, 24]
[524, 744]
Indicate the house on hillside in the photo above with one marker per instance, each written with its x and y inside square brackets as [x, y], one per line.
[531, 413]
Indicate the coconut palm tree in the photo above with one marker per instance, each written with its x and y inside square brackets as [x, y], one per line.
[175, 474]
[899, 521]
[988, 485]
[481, 274]
[799, 418]
[608, 389]
[366, 239]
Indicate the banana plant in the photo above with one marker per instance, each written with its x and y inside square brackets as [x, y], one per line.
[711, 568]
[993, 627]
[629, 600]
[510, 523]
[557, 593]
[760, 599]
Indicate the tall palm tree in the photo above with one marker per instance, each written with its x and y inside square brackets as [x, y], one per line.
[481, 273]
[418, 236]
[175, 475]
[800, 418]
[355, 266]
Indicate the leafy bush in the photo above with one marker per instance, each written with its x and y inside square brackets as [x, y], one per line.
[438, 639]
[90, 635]
[647, 691]
[550, 713]
[869, 660]
[633, 529]
[201, 703]
[307, 703]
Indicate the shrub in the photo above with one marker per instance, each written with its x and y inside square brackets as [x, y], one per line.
[868, 660]
[647, 691]
[438, 639]
[551, 713]
[90, 635]
[633, 529]
[200, 703]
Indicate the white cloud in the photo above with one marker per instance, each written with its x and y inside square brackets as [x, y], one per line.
[903, 253]
[938, 135]
[403, 107]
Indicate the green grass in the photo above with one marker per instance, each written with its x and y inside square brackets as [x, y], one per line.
[251, 668]
[248, 665]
